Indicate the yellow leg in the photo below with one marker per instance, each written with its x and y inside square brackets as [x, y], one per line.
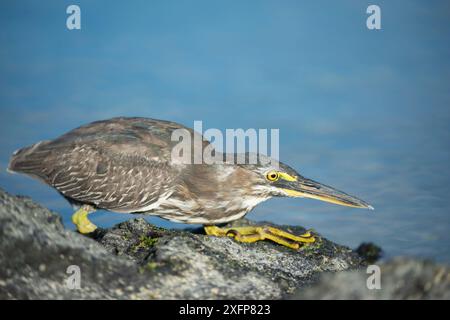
[305, 238]
[253, 234]
[80, 219]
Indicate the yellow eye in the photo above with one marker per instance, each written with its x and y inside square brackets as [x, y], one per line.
[272, 176]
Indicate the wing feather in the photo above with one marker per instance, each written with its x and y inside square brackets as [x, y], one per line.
[121, 164]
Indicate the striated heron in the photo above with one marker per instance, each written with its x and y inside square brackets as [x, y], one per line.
[124, 165]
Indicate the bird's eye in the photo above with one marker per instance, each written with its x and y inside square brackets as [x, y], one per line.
[272, 176]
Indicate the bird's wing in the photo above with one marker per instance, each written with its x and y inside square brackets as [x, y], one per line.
[121, 164]
[143, 137]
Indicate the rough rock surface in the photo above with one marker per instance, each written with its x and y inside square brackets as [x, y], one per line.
[136, 260]
[184, 264]
[401, 278]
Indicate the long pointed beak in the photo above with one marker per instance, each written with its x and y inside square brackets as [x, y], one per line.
[307, 188]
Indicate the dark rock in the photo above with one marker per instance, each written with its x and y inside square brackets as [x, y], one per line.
[369, 251]
[136, 260]
[182, 264]
[36, 250]
[401, 278]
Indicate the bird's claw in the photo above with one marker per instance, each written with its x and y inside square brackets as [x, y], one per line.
[258, 233]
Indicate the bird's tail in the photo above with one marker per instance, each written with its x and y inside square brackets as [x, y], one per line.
[27, 160]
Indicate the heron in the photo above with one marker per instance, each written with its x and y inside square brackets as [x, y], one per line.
[124, 165]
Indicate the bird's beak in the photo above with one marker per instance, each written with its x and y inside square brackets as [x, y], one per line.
[307, 188]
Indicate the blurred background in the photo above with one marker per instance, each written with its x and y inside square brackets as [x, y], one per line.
[366, 111]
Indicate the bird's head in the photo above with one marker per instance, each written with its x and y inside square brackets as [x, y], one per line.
[283, 181]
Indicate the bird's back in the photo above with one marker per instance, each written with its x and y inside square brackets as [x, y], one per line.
[121, 164]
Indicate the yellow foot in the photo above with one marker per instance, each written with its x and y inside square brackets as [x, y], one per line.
[80, 219]
[253, 234]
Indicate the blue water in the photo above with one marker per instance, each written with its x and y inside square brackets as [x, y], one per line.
[365, 111]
